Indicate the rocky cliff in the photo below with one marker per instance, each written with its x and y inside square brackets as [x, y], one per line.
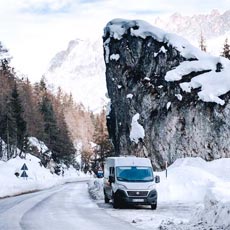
[168, 99]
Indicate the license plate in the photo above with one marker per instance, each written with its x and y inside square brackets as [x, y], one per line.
[138, 200]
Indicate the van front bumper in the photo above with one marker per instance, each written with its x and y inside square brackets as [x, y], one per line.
[123, 198]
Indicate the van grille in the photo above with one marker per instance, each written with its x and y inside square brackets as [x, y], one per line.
[137, 193]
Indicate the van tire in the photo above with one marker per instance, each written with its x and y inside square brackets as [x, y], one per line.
[154, 206]
[116, 203]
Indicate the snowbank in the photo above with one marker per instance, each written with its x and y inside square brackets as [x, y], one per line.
[38, 176]
[194, 180]
[95, 187]
[216, 212]
[40, 145]
[187, 180]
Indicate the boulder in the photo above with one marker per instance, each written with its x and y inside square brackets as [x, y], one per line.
[168, 99]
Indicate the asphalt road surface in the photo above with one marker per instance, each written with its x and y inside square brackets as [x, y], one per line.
[66, 207]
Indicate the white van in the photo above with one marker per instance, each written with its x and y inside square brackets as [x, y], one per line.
[130, 180]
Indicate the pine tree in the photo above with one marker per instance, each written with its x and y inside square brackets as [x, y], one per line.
[50, 124]
[13, 126]
[101, 138]
[226, 49]
[65, 146]
[31, 114]
[20, 128]
[8, 129]
[7, 80]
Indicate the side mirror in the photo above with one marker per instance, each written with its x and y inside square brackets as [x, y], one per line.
[157, 179]
[111, 179]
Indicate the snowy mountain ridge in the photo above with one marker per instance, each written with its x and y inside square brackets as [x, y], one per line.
[215, 27]
[80, 68]
[211, 25]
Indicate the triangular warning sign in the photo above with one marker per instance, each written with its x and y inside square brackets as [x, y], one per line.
[24, 174]
[24, 167]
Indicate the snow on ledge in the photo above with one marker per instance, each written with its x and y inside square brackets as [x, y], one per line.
[213, 84]
[130, 96]
[114, 57]
[137, 131]
[116, 28]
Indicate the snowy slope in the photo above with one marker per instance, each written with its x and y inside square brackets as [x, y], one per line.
[80, 69]
[38, 177]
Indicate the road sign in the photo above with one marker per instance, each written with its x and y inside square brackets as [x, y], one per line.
[24, 174]
[24, 167]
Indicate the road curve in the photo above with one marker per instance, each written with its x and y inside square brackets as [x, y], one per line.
[66, 207]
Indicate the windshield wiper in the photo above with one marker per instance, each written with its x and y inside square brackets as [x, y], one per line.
[142, 180]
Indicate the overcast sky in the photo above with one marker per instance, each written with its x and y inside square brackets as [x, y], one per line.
[35, 30]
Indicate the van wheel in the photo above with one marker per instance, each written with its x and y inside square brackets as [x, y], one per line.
[154, 206]
[116, 203]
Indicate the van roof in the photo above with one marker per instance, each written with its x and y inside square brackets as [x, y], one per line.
[130, 160]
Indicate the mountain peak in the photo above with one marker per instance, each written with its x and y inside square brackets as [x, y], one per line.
[80, 72]
[215, 12]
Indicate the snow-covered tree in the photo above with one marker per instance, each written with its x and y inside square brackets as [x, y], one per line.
[226, 49]
[5, 57]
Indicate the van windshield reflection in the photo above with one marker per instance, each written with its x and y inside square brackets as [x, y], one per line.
[134, 174]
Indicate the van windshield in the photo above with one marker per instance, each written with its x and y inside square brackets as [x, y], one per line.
[134, 174]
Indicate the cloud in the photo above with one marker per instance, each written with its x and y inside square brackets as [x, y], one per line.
[147, 12]
[46, 6]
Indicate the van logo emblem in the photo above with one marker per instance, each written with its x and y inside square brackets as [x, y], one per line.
[137, 193]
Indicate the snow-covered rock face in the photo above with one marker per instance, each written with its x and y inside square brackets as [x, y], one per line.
[80, 70]
[181, 94]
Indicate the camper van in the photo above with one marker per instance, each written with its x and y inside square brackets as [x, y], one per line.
[130, 180]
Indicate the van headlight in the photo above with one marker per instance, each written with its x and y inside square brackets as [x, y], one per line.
[121, 186]
[152, 187]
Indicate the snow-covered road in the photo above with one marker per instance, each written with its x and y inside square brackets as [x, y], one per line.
[69, 207]
[166, 214]
[65, 207]
[191, 183]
